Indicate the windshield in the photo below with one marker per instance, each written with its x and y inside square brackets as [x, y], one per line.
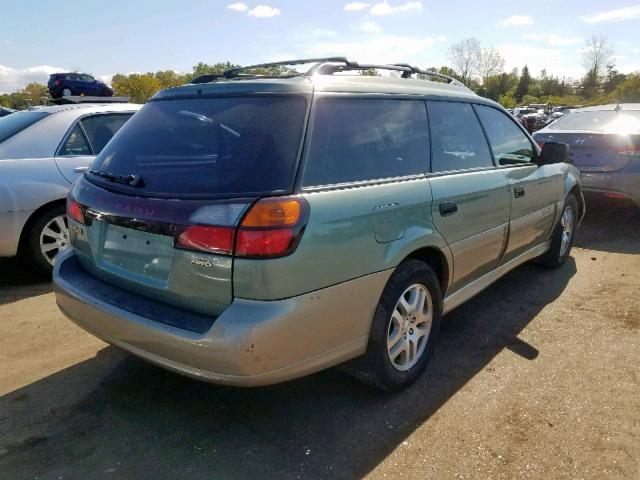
[18, 121]
[601, 121]
[208, 147]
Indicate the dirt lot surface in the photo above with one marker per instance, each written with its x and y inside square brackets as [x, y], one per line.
[537, 377]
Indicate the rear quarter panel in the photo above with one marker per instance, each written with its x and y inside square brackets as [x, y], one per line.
[351, 232]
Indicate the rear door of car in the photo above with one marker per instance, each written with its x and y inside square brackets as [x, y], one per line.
[470, 195]
[86, 139]
[533, 190]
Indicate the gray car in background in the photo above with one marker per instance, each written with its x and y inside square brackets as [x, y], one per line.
[42, 152]
[604, 144]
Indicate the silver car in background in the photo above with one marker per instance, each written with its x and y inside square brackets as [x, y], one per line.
[604, 144]
[42, 152]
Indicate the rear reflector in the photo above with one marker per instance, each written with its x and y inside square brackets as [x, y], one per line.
[617, 196]
[207, 239]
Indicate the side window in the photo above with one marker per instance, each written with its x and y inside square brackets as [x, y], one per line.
[366, 139]
[509, 144]
[100, 128]
[76, 143]
[457, 139]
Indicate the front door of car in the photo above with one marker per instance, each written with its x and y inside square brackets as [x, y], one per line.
[534, 190]
[470, 196]
[85, 140]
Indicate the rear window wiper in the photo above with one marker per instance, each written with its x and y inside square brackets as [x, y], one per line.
[131, 179]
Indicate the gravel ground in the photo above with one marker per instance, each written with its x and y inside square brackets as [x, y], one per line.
[537, 377]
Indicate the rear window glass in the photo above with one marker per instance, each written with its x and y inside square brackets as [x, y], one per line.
[18, 121]
[606, 121]
[458, 142]
[365, 139]
[208, 147]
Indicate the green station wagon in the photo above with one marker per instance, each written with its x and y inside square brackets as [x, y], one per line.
[247, 229]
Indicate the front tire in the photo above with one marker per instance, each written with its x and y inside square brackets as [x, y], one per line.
[404, 329]
[563, 235]
[46, 238]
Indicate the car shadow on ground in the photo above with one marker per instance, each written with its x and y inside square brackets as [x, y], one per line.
[143, 422]
[19, 281]
[610, 226]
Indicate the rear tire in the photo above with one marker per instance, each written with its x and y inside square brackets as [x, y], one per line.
[563, 235]
[66, 92]
[404, 329]
[48, 235]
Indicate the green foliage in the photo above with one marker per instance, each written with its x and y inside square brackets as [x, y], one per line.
[629, 90]
[139, 87]
[507, 100]
[32, 94]
[523, 84]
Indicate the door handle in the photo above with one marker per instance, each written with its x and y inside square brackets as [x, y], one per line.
[80, 169]
[448, 208]
[518, 191]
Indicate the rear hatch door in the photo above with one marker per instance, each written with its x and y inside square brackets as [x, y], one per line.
[180, 164]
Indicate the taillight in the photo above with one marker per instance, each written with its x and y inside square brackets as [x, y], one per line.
[629, 150]
[207, 239]
[272, 228]
[540, 143]
[75, 211]
[57, 82]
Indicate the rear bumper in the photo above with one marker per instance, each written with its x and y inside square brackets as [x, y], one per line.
[251, 343]
[622, 182]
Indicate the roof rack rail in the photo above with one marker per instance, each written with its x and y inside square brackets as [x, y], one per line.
[430, 73]
[326, 66]
[88, 99]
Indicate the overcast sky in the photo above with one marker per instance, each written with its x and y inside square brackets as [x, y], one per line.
[102, 38]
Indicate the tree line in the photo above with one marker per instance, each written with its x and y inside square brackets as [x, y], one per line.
[481, 69]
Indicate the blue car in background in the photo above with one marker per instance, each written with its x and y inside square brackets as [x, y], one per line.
[67, 84]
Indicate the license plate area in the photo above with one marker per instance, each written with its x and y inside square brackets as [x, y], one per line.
[137, 255]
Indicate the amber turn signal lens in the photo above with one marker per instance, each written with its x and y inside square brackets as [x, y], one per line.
[273, 212]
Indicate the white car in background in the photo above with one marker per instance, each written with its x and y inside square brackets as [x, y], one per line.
[42, 151]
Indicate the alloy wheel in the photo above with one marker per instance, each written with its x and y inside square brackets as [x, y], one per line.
[54, 238]
[409, 327]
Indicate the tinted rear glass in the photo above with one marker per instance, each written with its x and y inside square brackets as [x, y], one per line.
[18, 121]
[606, 121]
[208, 147]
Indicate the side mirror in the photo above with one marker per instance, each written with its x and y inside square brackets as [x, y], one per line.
[554, 152]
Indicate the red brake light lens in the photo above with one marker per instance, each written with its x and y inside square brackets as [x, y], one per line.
[263, 243]
[207, 239]
[57, 82]
[75, 211]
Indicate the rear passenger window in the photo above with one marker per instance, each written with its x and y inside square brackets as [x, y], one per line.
[100, 129]
[365, 139]
[457, 140]
[76, 143]
[509, 144]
